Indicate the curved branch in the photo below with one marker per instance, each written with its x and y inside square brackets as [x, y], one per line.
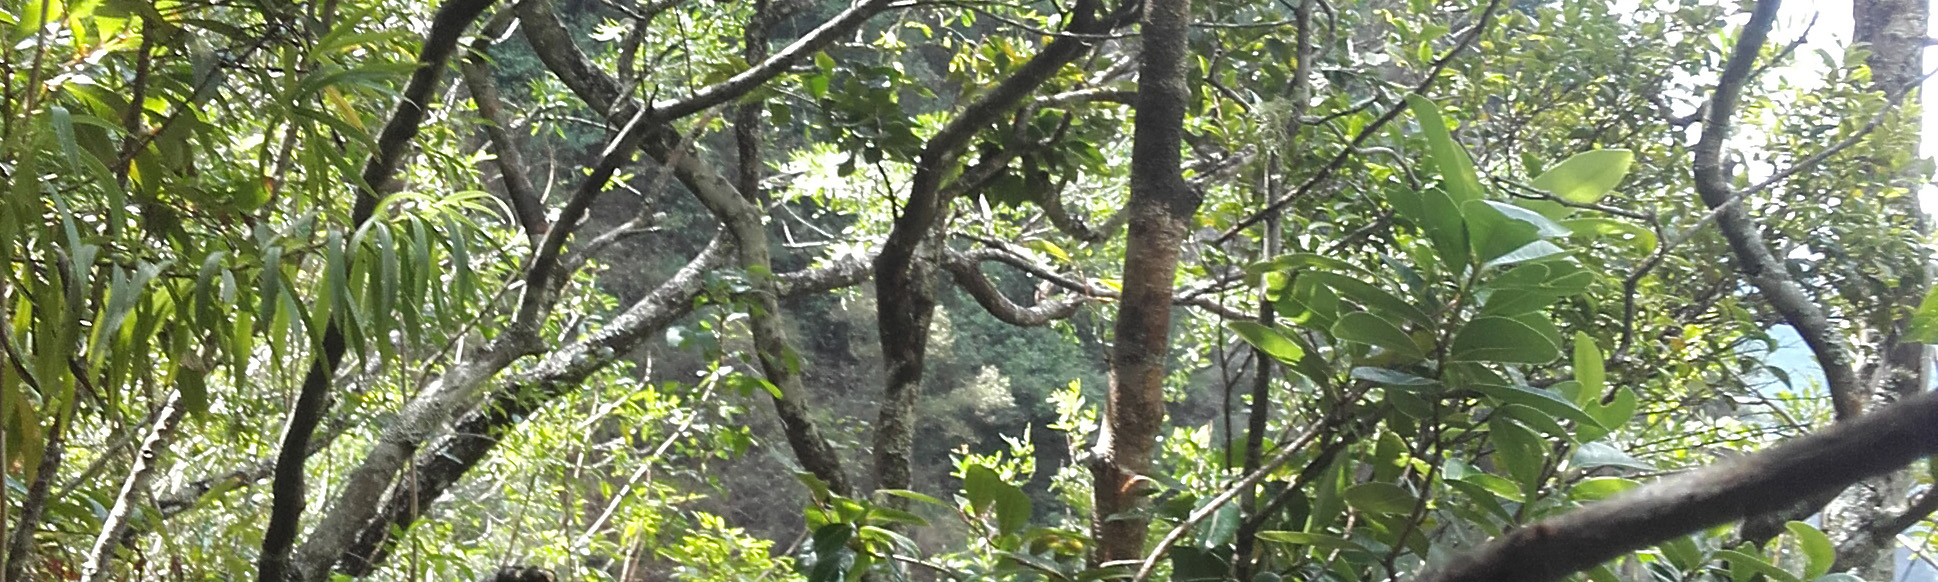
[1753, 257]
[967, 272]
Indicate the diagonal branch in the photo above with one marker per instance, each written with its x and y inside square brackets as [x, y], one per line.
[526, 204]
[312, 400]
[1753, 256]
[1825, 462]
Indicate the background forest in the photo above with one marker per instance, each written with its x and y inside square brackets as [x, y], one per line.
[1071, 290]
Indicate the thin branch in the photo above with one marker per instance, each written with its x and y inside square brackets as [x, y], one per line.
[1338, 161]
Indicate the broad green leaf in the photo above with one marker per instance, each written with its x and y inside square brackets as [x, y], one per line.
[831, 554]
[1297, 262]
[1445, 227]
[1498, 486]
[1013, 509]
[1539, 421]
[1390, 377]
[1536, 250]
[1500, 339]
[1316, 540]
[1485, 497]
[1543, 226]
[1223, 525]
[1492, 234]
[1588, 369]
[1455, 167]
[1618, 411]
[1547, 402]
[985, 489]
[1512, 302]
[979, 484]
[917, 496]
[1381, 498]
[1756, 564]
[1523, 454]
[1816, 547]
[1635, 237]
[1268, 340]
[1389, 456]
[1586, 177]
[1373, 330]
[1373, 297]
[1599, 488]
[1600, 454]
[1327, 503]
[1923, 327]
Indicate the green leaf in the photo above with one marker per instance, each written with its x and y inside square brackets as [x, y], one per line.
[1547, 402]
[1455, 167]
[1012, 509]
[1539, 421]
[1268, 340]
[1586, 177]
[1816, 547]
[1588, 369]
[1617, 412]
[1446, 227]
[1500, 339]
[1599, 454]
[1486, 497]
[1381, 498]
[1599, 488]
[985, 489]
[1523, 454]
[1390, 377]
[1512, 302]
[831, 554]
[1300, 262]
[1222, 527]
[1923, 327]
[1316, 540]
[906, 494]
[1536, 250]
[1373, 330]
[1372, 297]
[1543, 226]
[1635, 237]
[1756, 564]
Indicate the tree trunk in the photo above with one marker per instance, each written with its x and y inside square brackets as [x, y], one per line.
[1895, 31]
[1161, 207]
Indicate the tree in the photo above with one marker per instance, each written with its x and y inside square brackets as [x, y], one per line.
[1394, 280]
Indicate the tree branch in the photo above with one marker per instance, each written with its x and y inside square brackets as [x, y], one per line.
[312, 401]
[1827, 461]
[967, 272]
[1753, 257]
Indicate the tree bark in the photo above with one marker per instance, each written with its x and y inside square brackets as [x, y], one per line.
[905, 270]
[1864, 518]
[1161, 207]
[1827, 461]
[313, 398]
